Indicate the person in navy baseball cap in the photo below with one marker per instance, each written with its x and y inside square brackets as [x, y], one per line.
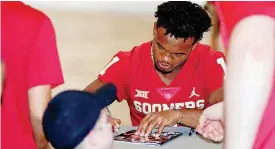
[75, 119]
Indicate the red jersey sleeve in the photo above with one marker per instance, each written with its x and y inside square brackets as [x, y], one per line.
[43, 63]
[117, 72]
[216, 69]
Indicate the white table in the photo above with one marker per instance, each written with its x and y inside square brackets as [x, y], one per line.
[183, 142]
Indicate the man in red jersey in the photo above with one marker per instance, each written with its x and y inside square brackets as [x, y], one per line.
[172, 78]
[32, 69]
[250, 87]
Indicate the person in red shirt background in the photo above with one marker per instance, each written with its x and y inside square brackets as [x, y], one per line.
[32, 69]
[249, 37]
[172, 78]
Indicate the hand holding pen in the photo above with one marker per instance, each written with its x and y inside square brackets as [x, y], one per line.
[114, 121]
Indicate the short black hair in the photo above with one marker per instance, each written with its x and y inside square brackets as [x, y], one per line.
[183, 19]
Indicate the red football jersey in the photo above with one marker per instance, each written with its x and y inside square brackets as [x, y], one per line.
[265, 138]
[137, 81]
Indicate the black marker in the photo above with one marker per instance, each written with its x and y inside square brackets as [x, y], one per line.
[191, 131]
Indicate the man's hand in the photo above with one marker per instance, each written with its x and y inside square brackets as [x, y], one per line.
[213, 131]
[212, 113]
[210, 122]
[115, 123]
[157, 120]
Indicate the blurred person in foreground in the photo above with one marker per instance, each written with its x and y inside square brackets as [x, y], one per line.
[32, 69]
[249, 36]
[75, 120]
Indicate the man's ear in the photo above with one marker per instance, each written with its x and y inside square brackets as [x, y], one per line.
[155, 29]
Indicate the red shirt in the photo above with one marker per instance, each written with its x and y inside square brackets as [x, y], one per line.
[29, 51]
[137, 81]
[230, 13]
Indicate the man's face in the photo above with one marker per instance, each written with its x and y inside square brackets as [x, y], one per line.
[169, 52]
[101, 137]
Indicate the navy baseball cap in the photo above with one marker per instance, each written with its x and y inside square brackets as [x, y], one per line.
[72, 114]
